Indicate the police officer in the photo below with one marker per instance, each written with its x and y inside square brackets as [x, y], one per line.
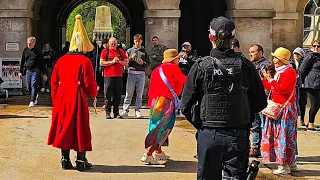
[225, 90]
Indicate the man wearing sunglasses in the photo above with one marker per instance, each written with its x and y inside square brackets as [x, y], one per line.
[310, 76]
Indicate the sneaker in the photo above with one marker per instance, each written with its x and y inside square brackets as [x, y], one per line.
[138, 114]
[108, 116]
[148, 159]
[124, 114]
[282, 170]
[47, 90]
[313, 130]
[36, 101]
[254, 152]
[302, 123]
[31, 104]
[43, 90]
[294, 167]
[161, 156]
[116, 115]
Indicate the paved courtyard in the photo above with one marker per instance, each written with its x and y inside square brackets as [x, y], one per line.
[117, 148]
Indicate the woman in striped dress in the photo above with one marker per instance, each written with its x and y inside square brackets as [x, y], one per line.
[162, 107]
[279, 136]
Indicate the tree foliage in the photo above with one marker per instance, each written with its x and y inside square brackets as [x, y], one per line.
[88, 11]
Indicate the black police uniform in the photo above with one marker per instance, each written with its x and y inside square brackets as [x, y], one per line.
[222, 114]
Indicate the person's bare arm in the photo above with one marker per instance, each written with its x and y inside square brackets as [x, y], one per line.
[124, 62]
[104, 63]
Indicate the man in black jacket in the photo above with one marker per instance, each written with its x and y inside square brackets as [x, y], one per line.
[221, 94]
[188, 57]
[32, 61]
[138, 62]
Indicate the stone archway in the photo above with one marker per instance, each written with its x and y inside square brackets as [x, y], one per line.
[53, 15]
[194, 22]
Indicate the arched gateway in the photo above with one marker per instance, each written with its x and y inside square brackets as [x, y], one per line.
[269, 23]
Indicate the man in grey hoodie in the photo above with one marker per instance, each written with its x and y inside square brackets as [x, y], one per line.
[138, 62]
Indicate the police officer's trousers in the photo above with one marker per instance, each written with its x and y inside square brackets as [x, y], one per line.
[222, 154]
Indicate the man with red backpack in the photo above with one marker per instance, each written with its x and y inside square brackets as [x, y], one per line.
[113, 60]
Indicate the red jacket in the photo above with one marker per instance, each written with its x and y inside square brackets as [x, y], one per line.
[159, 88]
[72, 79]
[282, 89]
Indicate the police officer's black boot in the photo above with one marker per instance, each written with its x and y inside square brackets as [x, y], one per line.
[106, 110]
[82, 162]
[65, 160]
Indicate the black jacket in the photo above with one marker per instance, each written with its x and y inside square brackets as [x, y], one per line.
[193, 89]
[32, 60]
[310, 71]
[142, 53]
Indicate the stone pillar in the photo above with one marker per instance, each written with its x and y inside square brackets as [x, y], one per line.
[15, 26]
[285, 32]
[164, 24]
[253, 27]
[128, 37]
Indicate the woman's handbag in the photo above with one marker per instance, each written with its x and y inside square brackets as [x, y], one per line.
[177, 101]
[273, 109]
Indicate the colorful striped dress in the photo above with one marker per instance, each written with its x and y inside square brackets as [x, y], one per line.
[162, 119]
[279, 137]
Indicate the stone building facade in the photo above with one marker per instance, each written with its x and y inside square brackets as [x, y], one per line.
[271, 23]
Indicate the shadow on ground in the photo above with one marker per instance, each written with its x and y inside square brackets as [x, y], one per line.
[45, 100]
[169, 166]
[20, 117]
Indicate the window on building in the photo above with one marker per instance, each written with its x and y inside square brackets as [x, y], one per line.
[311, 22]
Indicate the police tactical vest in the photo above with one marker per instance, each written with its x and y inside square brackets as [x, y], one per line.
[225, 101]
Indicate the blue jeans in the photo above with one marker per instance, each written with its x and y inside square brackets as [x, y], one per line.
[134, 82]
[256, 131]
[32, 78]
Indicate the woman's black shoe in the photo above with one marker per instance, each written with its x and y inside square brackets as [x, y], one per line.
[66, 164]
[83, 165]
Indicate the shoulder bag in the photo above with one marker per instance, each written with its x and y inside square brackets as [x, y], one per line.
[274, 110]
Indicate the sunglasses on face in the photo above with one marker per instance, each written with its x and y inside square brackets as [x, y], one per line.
[317, 46]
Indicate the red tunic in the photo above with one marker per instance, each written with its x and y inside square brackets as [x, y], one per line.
[282, 89]
[159, 88]
[71, 81]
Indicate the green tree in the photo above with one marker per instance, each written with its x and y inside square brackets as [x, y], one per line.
[88, 11]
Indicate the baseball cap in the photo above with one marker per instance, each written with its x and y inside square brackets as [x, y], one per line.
[222, 23]
[186, 44]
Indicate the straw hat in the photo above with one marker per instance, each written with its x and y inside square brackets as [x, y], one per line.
[282, 54]
[170, 55]
[79, 38]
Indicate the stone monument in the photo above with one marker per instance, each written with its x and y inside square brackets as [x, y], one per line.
[102, 27]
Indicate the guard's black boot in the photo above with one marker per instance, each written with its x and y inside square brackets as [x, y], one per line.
[65, 160]
[83, 165]
[66, 164]
[82, 162]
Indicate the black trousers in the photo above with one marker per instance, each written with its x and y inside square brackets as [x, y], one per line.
[314, 95]
[66, 155]
[112, 93]
[222, 154]
[303, 97]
